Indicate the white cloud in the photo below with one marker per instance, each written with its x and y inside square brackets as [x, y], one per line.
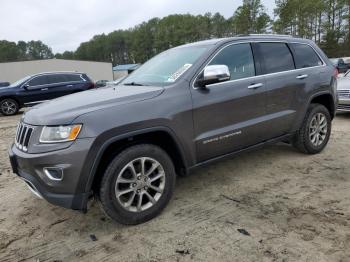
[64, 24]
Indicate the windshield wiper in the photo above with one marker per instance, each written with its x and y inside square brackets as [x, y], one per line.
[134, 84]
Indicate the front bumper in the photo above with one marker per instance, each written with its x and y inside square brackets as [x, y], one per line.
[29, 167]
[344, 104]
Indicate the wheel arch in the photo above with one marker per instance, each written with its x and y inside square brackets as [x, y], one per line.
[326, 99]
[159, 136]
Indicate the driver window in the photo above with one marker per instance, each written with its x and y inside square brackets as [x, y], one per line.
[37, 81]
[238, 58]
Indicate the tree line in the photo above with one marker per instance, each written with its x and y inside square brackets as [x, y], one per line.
[327, 22]
[32, 50]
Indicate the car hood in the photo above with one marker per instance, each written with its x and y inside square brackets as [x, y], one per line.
[343, 82]
[64, 110]
[5, 88]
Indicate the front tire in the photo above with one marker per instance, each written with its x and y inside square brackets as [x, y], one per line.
[137, 184]
[8, 107]
[315, 131]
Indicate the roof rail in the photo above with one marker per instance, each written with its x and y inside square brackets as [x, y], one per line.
[281, 35]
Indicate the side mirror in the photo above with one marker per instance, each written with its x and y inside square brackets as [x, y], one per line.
[26, 86]
[213, 74]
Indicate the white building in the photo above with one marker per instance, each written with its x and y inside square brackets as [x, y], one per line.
[120, 71]
[13, 71]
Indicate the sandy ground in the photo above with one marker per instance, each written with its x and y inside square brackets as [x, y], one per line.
[274, 204]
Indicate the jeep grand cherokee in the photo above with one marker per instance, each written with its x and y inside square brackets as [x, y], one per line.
[186, 107]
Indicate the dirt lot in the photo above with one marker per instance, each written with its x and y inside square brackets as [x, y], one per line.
[273, 204]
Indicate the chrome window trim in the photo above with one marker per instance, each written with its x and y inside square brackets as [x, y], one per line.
[262, 75]
[47, 74]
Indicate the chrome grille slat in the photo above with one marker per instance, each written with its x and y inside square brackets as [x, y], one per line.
[17, 131]
[23, 135]
[344, 93]
[21, 139]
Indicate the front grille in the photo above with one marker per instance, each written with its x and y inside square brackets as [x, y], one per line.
[23, 134]
[344, 93]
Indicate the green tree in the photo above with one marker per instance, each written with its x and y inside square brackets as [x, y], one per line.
[8, 51]
[251, 17]
[38, 50]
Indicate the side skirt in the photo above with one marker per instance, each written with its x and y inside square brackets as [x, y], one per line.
[232, 154]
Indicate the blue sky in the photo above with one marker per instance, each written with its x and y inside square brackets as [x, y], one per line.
[64, 24]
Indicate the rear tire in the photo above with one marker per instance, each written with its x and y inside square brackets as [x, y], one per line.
[315, 131]
[9, 107]
[137, 184]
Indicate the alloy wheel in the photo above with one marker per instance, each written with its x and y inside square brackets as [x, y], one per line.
[140, 184]
[8, 107]
[318, 129]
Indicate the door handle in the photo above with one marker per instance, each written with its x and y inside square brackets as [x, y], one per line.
[44, 89]
[255, 86]
[69, 85]
[302, 76]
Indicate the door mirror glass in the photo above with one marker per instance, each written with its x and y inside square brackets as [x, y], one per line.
[213, 74]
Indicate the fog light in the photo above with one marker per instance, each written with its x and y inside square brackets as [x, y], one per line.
[54, 173]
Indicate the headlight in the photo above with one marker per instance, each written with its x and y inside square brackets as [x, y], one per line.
[56, 134]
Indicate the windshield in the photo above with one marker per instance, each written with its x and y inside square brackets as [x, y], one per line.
[18, 82]
[166, 67]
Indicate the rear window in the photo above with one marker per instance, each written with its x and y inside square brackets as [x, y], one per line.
[277, 57]
[305, 56]
[73, 78]
[56, 78]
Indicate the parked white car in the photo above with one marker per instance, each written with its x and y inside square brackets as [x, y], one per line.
[344, 92]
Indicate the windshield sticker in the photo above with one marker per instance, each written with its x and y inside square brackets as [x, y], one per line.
[179, 72]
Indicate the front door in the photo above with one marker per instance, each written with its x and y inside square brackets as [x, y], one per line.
[228, 116]
[35, 90]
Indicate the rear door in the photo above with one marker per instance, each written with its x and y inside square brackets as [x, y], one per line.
[77, 82]
[283, 83]
[62, 84]
[312, 73]
[228, 115]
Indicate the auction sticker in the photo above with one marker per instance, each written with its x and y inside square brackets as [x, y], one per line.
[179, 72]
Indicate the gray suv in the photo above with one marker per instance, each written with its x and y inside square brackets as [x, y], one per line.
[184, 108]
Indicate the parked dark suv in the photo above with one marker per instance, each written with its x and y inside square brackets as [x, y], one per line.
[38, 88]
[186, 107]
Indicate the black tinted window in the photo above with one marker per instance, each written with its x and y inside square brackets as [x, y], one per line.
[305, 56]
[56, 78]
[238, 58]
[277, 57]
[73, 78]
[39, 80]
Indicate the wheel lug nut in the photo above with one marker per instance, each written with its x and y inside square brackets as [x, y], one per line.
[138, 191]
[145, 179]
[134, 184]
[145, 188]
[139, 177]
